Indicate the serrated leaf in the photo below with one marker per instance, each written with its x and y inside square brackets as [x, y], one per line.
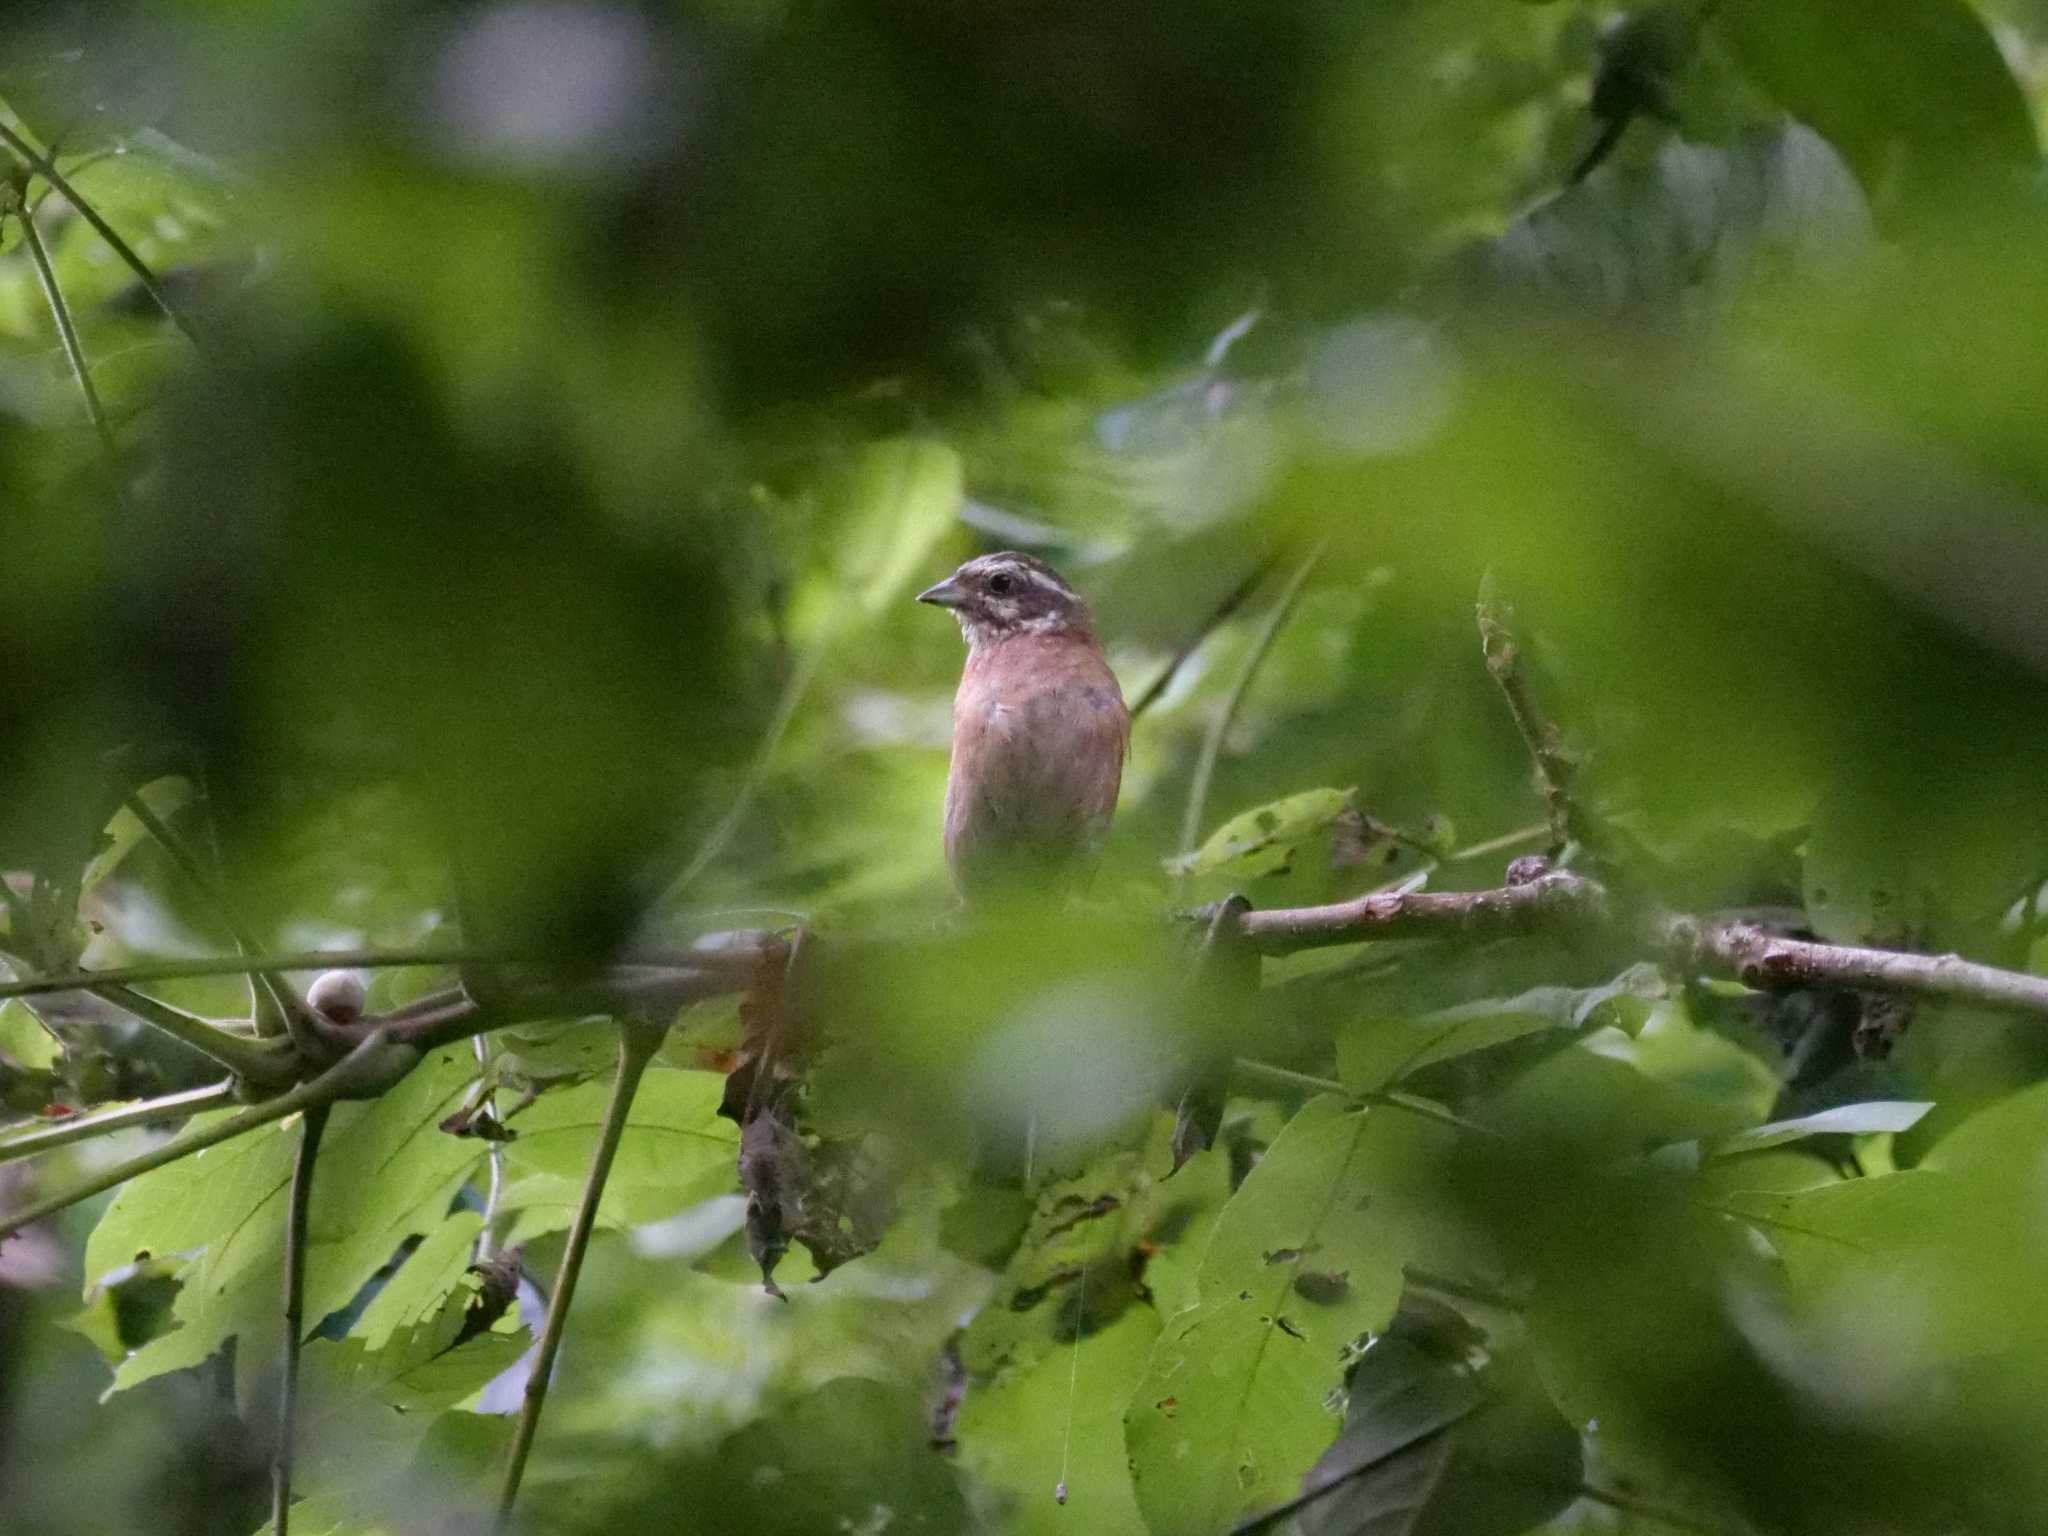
[1235, 1402]
[385, 1172]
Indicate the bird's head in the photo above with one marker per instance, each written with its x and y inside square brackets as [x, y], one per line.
[997, 596]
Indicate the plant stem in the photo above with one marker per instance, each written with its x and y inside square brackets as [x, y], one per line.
[67, 334]
[637, 1046]
[244, 1058]
[1232, 601]
[296, 1214]
[1212, 743]
[173, 1106]
[240, 965]
[271, 1002]
[47, 169]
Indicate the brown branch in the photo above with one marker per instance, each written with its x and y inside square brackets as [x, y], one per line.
[1771, 962]
[1552, 902]
[1566, 905]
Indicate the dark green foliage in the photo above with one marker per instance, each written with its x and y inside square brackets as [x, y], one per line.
[512, 547]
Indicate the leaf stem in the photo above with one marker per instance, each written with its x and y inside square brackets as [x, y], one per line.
[637, 1046]
[173, 1106]
[67, 334]
[47, 169]
[1212, 742]
[296, 1214]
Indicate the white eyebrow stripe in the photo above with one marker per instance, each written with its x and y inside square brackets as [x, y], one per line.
[1031, 573]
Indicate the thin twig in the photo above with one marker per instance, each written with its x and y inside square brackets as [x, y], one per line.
[1218, 616]
[1555, 765]
[296, 1212]
[367, 1069]
[240, 965]
[74, 353]
[1212, 743]
[47, 169]
[637, 1046]
[1515, 839]
[73, 1128]
[273, 1007]
[1409, 1103]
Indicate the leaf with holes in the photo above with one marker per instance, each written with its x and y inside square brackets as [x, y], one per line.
[385, 1173]
[1238, 1399]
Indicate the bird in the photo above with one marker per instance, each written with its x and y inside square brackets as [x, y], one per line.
[1040, 732]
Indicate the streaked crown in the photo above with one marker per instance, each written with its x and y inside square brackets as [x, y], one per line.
[1010, 593]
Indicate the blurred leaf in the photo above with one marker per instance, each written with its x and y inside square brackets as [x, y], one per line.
[903, 496]
[1373, 1053]
[1912, 87]
[1884, 1117]
[1692, 228]
[1233, 1405]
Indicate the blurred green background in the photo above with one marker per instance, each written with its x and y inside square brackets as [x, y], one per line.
[576, 394]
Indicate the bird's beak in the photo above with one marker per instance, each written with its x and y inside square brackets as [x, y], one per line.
[946, 594]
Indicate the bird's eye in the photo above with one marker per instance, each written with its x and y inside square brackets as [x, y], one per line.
[1001, 582]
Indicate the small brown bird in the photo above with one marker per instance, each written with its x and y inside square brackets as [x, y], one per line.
[1039, 730]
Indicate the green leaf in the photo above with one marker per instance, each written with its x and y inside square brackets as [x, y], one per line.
[1613, 1096]
[1265, 840]
[1876, 1118]
[385, 1173]
[1695, 222]
[676, 1151]
[1384, 1470]
[1905, 87]
[1060, 1418]
[1372, 1054]
[1235, 1402]
[904, 495]
[423, 1282]
[23, 1037]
